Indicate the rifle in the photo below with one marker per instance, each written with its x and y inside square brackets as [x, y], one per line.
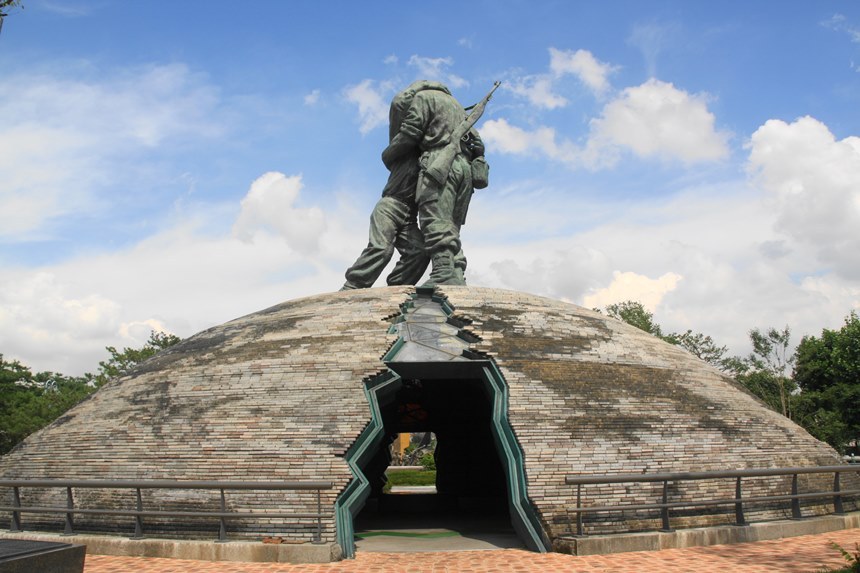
[441, 166]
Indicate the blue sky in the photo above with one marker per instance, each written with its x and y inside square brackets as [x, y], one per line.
[174, 165]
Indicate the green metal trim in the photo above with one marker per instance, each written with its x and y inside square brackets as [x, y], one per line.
[352, 498]
[523, 516]
[395, 348]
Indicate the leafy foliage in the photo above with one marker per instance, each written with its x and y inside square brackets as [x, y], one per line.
[699, 345]
[852, 559]
[6, 4]
[828, 374]
[764, 370]
[635, 314]
[121, 363]
[29, 402]
[822, 391]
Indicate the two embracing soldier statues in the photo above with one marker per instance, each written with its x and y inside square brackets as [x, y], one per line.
[436, 160]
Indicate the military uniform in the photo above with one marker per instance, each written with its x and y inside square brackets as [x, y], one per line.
[393, 222]
[428, 126]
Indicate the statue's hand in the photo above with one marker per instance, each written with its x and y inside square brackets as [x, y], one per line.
[399, 147]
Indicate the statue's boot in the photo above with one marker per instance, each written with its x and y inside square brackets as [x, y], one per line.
[443, 272]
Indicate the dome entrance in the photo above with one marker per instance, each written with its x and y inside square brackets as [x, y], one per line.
[471, 491]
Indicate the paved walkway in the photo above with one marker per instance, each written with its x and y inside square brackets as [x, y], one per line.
[806, 554]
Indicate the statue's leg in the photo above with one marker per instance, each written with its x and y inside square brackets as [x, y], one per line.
[441, 240]
[460, 265]
[413, 257]
[384, 221]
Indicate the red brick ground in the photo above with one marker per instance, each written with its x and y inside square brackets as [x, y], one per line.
[804, 554]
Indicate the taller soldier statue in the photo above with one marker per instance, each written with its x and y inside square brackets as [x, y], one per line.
[437, 145]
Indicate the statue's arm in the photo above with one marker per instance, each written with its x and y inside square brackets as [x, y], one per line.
[410, 133]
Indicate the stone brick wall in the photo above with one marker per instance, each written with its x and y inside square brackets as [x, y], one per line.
[273, 396]
[278, 395]
[592, 395]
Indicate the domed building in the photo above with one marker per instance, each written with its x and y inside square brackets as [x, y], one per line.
[521, 392]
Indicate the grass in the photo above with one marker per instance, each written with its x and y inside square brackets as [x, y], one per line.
[412, 477]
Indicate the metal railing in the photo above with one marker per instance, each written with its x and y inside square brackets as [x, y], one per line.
[138, 513]
[664, 505]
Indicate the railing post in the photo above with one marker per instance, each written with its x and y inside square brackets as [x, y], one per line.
[222, 529]
[15, 526]
[318, 534]
[69, 528]
[579, 510]
[739, 504]
[664, 510]
[837, 496]
[795, 502]
[138, 519]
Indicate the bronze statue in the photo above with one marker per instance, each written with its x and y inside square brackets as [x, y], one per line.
[432, 154]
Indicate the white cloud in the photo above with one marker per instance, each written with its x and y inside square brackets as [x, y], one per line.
[712, 236]
[372, 106]
[582, 63]
[62, 136]
[539, 91]
[839, 23]
[436, 69]
[187, 277]
[312, 98]
[814, 182]
[656, 119]
[632, 286]
[269, 206]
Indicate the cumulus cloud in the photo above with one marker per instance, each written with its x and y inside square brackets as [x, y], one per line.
[632, 286]
[436, 69]
[582, 64]
[62, 135]
[41, 320]
[538, 90]
[656, 119]
[372, 104]
[269, 206]
[652, 120]
[186, 277]
[814, 182]
[541, 90]
[712, 236]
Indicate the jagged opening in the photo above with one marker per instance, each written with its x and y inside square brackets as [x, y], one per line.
[471, 495]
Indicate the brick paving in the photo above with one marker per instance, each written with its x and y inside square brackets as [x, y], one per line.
[805, 554]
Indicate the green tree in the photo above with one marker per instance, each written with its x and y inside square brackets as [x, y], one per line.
[30, 401]
[122, 362]
[767, 366]
[828, 374]
[5, 5]
[699, 345]
[635, 314]
[702, 346]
